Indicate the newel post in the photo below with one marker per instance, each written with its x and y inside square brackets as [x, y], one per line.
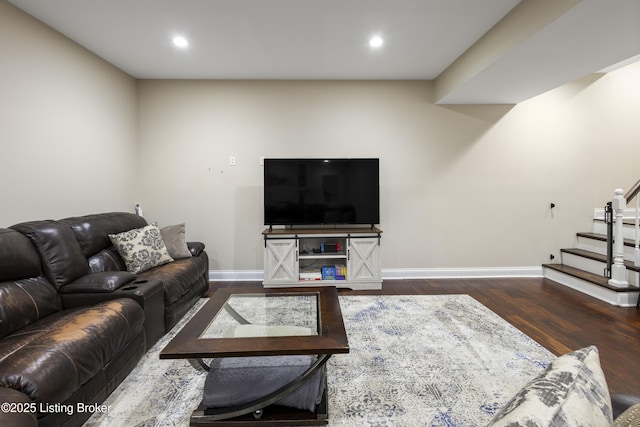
[618, 270]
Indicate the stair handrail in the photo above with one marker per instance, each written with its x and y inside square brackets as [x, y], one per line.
[633, 191]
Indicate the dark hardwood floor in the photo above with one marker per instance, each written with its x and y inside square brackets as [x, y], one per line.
[557, 317]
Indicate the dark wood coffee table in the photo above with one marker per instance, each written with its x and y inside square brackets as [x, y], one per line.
[248, 322]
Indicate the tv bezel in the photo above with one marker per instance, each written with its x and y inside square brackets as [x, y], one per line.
[322, 224]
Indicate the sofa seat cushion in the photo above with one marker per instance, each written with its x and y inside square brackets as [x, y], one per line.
[25, 302]
[177, 277]
[52, 358]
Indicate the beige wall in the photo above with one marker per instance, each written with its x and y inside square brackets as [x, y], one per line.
[458, 187]
[68, 126]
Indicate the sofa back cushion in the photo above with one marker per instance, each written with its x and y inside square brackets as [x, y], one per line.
[62, 259]
[25, 295]
[18, 258]
[92, 233]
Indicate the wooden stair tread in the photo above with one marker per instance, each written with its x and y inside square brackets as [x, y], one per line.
[603, 238]
[597, 257]
[589, 277]
[625, 221]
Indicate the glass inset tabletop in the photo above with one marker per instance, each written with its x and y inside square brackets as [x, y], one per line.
[238, 322]
[265, 315]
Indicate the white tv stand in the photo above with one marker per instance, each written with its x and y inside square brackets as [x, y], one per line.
[294, 257]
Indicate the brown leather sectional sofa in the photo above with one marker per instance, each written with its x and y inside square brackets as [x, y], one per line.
[73, 321]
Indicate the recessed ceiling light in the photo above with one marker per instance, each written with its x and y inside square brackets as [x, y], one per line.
[180, 41]
[376, 41]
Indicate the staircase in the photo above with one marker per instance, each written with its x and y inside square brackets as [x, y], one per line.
[582, 268]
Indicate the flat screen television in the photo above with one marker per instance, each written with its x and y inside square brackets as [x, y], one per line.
[321, 191]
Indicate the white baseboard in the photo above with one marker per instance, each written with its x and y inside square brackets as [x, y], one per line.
[236, 275]
[461, 273]
[402, 273]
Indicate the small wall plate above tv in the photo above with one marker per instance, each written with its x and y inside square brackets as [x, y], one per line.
[321, 191]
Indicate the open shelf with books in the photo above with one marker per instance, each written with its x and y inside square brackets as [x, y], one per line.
[347, 258]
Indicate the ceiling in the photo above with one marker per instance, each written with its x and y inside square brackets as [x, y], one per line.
[478, 52]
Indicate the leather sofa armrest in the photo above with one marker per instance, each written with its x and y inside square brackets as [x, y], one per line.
[100, 282]
[195, 248]
[621, 402]
[20, 411]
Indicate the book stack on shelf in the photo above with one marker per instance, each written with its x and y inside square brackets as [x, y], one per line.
[328, 272]
[310, 276]
[331, 272]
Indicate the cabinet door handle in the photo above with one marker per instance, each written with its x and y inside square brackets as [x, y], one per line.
[348, 254]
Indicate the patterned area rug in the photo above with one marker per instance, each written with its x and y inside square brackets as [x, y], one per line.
[443, 360]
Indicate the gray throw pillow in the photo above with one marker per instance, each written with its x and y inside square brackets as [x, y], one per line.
[175, 240]
[141, 248]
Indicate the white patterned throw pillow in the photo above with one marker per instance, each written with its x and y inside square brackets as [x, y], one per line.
[572, 391]
[141, 248]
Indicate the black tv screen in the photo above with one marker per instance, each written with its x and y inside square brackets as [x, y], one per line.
[321, 191]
